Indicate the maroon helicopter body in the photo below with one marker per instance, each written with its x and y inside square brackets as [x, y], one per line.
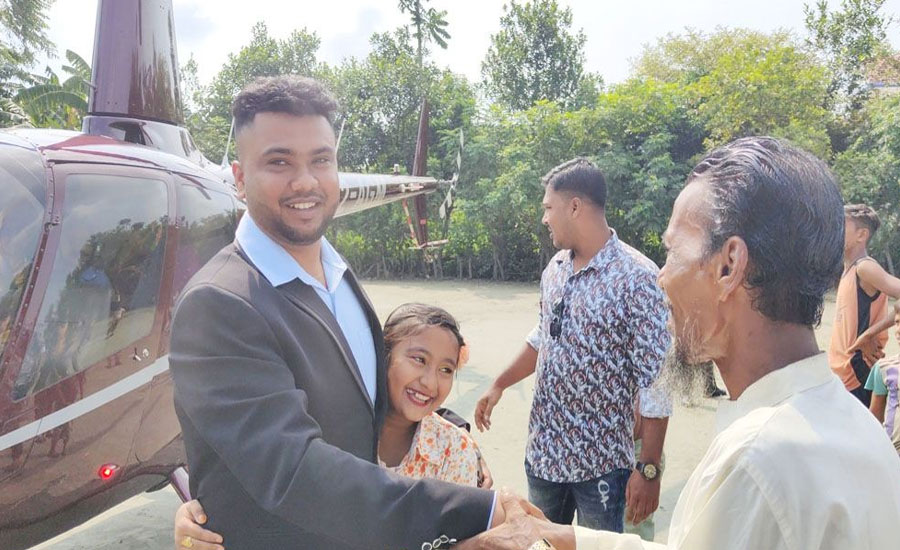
[99, 231]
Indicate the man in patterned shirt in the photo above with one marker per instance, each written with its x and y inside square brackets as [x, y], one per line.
[601, 338]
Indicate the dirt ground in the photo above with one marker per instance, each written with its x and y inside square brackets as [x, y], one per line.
[495, 319]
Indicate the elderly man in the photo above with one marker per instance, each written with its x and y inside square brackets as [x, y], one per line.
[754, 241]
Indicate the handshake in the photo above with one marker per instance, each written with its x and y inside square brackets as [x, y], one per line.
[520, 525]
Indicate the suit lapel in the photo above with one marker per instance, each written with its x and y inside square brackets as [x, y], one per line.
[378, 338]
[306, 298]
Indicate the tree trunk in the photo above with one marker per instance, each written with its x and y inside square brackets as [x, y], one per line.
[470, 267]
[890, 260]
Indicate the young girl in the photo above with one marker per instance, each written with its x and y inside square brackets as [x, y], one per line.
[424, 350]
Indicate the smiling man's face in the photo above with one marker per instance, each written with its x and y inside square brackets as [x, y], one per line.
[287, 173]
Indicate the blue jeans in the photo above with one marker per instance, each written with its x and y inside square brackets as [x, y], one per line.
[600, 502]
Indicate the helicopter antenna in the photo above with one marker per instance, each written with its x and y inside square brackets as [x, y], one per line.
[225, 162]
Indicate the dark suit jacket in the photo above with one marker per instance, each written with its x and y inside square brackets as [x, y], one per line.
[279, 430]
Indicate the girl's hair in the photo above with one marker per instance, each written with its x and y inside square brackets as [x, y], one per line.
[411, 319]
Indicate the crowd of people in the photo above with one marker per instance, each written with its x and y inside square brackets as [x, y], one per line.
[309, 425]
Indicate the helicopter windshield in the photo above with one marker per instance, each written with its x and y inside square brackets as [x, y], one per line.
[21, 217]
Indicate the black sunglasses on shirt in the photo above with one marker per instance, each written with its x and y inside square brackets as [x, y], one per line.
[556, 322]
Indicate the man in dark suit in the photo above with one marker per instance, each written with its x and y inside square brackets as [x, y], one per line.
[279, 367]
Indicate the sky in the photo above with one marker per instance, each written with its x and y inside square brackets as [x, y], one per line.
[616, 30]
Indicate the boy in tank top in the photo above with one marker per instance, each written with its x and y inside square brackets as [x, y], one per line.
[861, 321]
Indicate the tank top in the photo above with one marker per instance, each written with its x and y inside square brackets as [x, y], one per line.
[856, 311]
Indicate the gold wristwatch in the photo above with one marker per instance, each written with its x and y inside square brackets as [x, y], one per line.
[542, 544]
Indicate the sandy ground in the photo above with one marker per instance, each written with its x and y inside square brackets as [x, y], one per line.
[495, 319]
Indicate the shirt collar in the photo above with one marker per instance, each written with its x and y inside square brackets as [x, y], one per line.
[776, 387]
[600, 259]
[278, 266]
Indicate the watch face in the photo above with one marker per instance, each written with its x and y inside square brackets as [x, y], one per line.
[650, 471]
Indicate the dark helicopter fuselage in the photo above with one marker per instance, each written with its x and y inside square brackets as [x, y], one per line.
[98, 238]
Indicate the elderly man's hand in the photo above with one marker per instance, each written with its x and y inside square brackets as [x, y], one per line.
[523, 525]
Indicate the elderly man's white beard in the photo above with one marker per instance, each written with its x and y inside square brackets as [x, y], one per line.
[681, 372]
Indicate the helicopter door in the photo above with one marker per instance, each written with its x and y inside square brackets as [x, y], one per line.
[205, 223]
[23, 190]
[93, 347]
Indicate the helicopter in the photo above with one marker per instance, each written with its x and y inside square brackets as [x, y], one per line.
[99, 232]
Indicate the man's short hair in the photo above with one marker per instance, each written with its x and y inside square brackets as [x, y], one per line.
[863, 215]
[785, 204]
[580, 177]
[294, 95]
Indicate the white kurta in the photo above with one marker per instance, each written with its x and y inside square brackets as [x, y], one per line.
[798, 463]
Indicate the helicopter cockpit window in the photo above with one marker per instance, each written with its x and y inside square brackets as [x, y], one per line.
[22, 189]
[206, 223]
[105, 279]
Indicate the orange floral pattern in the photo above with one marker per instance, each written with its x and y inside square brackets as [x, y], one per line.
[442, 451]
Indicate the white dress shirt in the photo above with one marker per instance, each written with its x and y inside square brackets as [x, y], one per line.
[798, 463]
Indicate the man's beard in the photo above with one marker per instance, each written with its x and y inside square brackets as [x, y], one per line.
[301, 238]
[681, 373]
[271, 219]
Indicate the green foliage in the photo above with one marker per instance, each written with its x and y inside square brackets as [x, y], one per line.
[745, 82]
[208, 115]
[55, 103]
[652, 137]
[760, 89]
[848, 40]
[687, 93]
[24, 29]
[23, 34]
[869, 170]
[430, 25]
[534, 56]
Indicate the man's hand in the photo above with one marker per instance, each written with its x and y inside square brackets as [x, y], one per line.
[507, 500]
[188, 533]
[867, 343]
[485, 406]
[641, 498]
[523, 526]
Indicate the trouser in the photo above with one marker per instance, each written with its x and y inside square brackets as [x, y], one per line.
[600, 502]
[861, 370]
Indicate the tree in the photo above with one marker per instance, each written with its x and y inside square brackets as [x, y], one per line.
[24, 29]
[534, 56]
[23, 34]
[210, 120]
[869, 171]
[52, 102]
[430, 25]
[380, 98]
[771, 88]
[848, 40]
[745, 82]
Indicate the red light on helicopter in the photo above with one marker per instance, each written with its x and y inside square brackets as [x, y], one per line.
[107, 471]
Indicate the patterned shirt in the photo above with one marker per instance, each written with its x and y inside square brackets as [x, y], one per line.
[601, 337]
[441, 451]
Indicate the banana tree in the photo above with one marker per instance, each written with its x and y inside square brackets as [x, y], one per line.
[58, 103]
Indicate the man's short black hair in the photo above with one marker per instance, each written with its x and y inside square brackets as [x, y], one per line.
[294, 95]
[580, 177]
[785, 204]
[864, 215]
